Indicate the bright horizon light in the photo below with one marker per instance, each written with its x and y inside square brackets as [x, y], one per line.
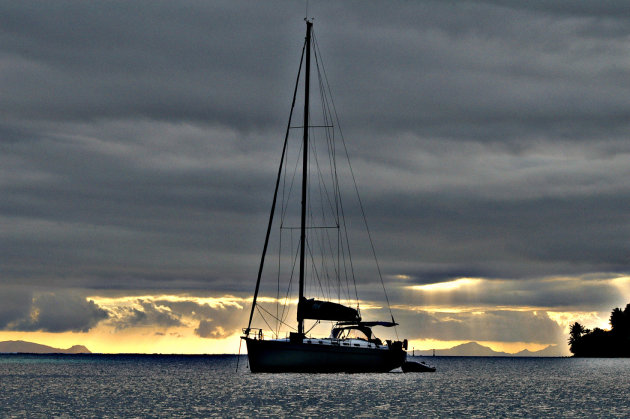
[447, 286]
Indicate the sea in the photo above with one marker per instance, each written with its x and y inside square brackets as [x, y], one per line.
[174, 386]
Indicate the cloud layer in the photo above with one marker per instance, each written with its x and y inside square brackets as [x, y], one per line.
[139, 143]
[49, 312]
[501, 326]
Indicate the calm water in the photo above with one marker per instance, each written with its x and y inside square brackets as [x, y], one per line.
[204, 386]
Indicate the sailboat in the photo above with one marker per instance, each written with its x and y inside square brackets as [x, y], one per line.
[351, 346]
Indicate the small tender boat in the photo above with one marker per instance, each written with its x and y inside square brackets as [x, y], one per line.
[413, 366]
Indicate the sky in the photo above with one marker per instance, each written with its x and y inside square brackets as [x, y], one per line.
[139, 143]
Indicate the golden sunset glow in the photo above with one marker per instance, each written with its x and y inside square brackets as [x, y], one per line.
[507, 347]
[590, 319]
[622, 283]
[189, 324]
[148, 340]
[430, 344]
[401, 277]
[448, 286]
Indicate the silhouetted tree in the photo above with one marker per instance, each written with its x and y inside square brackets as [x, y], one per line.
[577, 330]
[617, 320]
[603, 343]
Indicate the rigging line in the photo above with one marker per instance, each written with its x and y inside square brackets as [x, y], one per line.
[259, 307]
[278, 284]
[284, 200]
[334, 109]
[312, 327]
[311, 214]
[317, 275]
[315, 271]
[325, 112]
[324, 197]
[284, 190]
[320, 178]
[324, 237]
[317, 241]
[286, 297]
[275, 195]
[324, 192]
[285, 194]
[347, 237]
[336, 117]
[331, 107]
[312, 126]
[345, 261]
[378, 267]
[325, 268]
[323, 240]
[327, 118]
[307, 241]
[312, 228]
[263, 317]
[330, 136]
[295, 170]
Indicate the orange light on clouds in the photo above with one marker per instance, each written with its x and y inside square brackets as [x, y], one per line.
[128, 301]
[623, 285]
[447, 286]
[228, 313]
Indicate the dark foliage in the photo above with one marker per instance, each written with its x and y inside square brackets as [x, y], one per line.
[603, 343]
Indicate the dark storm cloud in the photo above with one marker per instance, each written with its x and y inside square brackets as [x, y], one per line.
[139, 141]
[504, 326]
[585, 294]
[473, 71]
[214, 321]
[14, 305]
[54, 312]
[512, 239]
[146, 314]
[211, 329]
[609, 8]
[80, 61]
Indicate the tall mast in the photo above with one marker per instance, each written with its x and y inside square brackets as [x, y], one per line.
[307, 79]
[275, 196]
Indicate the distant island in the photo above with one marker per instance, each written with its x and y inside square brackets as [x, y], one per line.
[475, 349]
[20, 346]
[613, 343]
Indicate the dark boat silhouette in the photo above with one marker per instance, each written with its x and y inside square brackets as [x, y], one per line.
[351, 345]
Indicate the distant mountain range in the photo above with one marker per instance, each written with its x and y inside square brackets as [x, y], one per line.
[475, 349]
[20, 346]
[465, 349]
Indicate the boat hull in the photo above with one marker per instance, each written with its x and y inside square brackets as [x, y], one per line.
[286, 356]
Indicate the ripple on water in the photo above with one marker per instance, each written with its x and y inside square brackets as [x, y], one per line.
[181, 386]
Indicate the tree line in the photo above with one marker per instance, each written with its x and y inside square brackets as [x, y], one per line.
[603, 343]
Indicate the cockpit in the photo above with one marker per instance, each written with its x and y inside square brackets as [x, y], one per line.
[356, 331]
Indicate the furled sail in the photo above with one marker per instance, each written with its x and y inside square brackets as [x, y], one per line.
[325, 310]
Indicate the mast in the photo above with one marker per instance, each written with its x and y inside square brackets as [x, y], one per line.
[307, 76]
